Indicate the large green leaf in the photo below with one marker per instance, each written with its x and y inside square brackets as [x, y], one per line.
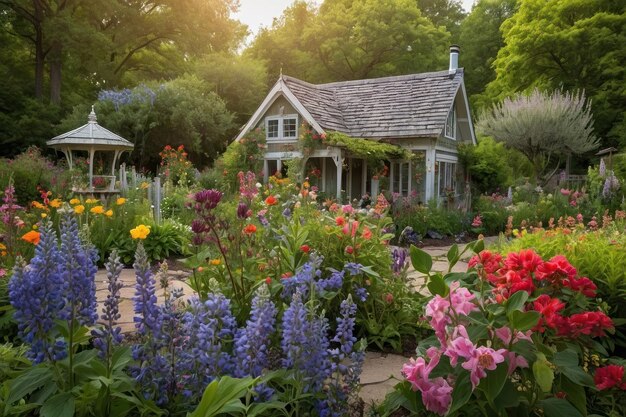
[523, 320]
[28, 382]
[437, 286]
[544, 375]
[221, 394]
[516, 301]
[422, 261]
[567, 363]
[461, 393]
[453, 255]
[61, 405]
[575, 394]
[557, 407]
[493, 383]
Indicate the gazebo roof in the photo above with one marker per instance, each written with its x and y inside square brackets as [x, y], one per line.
[90, 136]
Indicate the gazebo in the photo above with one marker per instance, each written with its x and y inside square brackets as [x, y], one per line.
[92, 138]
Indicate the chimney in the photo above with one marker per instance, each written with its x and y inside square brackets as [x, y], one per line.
[454, 59]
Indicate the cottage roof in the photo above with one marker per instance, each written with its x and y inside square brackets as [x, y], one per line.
[402, 106]
[90, 135]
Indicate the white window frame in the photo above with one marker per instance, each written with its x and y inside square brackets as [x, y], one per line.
[400, 168]
[449, 130]
[281, 128]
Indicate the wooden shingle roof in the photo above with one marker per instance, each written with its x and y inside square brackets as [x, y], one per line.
[415, 105]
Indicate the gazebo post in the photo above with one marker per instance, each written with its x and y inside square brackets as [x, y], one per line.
[91, 155]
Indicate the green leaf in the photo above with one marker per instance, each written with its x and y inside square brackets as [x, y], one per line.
[220, 394]
[422, 261]
[28, 382]
[508, 398]
[516, 301]
[437, 286]
[544, 375]
[61, 405]
[453, 255]
[566, 362]
[557, 407]
[575, 394]
[477, 246]
[523, 320]
[461, 393]
[493, 383]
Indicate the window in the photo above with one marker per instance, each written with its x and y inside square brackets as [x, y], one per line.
[281, 127]
[400, 180]
[450, 130]
[445, 178]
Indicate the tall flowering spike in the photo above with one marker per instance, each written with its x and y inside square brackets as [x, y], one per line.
[252, 343]
[78, 270]
[344, 334]
[147, 315]
[110, 334]
[294, 328]
[209, 327]
[36, 293]
[602, 169]
[207, 199]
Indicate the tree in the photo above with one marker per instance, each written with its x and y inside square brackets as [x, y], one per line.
[569, 44]
[480, 41]
[447, 13]
[346, 40]
[183, 111]
[542, 127]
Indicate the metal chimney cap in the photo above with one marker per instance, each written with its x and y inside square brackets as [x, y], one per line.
[455, 49]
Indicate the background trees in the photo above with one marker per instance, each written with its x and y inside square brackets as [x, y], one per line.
[57, 54]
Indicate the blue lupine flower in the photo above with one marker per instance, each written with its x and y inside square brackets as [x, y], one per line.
[398, 260]
[361, 293]
[345, 326]
[353, 268]
[209, 327]
[111, 334]
[287, 213]
[332, 283]
[78, 270]
[36, 293]
[147, 315]
[252, 343]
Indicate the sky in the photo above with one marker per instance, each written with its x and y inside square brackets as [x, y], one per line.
[257, 13]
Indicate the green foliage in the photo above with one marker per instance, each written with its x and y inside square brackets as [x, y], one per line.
[346, 40]
[488, 165]
[425, 218]
[569, 44]
[30, 170]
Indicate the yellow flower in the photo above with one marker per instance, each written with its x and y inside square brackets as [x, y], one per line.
[140, 232]
[38, 205]
[79, 209]
[108, 213]
[74, 201]
[120, 201]
[2, 247]
[91, 201]
[144, 185]
[44, 215]
[56, 203]
[215, 262]
[97, 210]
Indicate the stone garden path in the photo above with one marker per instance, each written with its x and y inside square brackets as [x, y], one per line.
[380, 371]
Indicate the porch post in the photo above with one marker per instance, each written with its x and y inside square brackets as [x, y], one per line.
[430, 174]
[323, 175]
[92, 153]
[339, 165]
[364, 177]
[265, 171]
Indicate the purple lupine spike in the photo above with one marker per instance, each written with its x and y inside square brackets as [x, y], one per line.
[252, 343]
[36, 293]
[110, 334]
[78, 269]
[147, 315]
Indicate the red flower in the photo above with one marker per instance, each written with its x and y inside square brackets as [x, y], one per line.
[349, 250]
[590, 323]
[548, 307]
[489, 261]
[340, 220]
[249, 229]
[271, 200]
[305, 248]
[609, 376]
[181, 147]
[286, 275]
[557, 269]
[526, 259]
[583, 285]
[168, 148]
[268, 280]
[367, 233]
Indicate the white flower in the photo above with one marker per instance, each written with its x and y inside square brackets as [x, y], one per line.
[258, 185]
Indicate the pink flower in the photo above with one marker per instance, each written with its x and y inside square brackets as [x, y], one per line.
[483, 358]
[437, 309]
[565, 191]
[438, 396]
[348, 209]
[579, 218]
[460, 346]
[3, 272]
[415, 372]
[478, 221]
[462, 299]
[515, 361]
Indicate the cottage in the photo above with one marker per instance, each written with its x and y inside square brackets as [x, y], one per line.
[419, 119]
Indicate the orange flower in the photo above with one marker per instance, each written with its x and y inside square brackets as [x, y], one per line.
[97, 210]
[367, 233]
[215, 262]
[74, 201]
[56, 203]
[271, 200]
[109, 213]
[38, 205]
[32, 237]
[249, 229]
[79, 209]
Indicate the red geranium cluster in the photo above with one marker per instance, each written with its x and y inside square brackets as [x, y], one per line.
[551, 282]
[610, 376]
